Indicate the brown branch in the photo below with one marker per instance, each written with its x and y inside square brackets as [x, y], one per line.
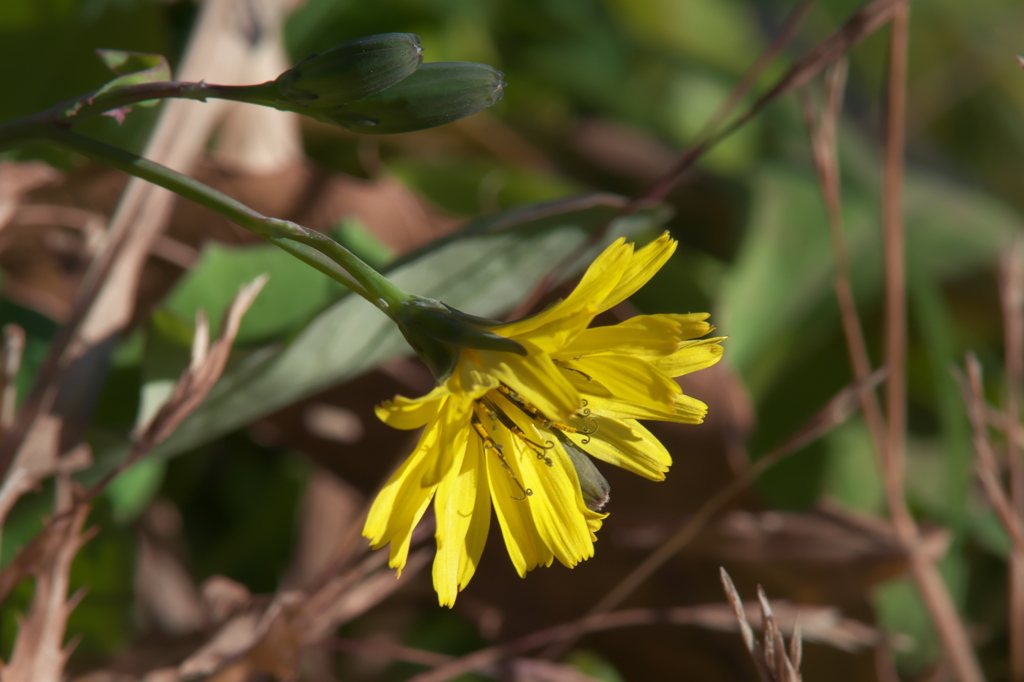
[834, 413]
[947, 621]
[986, 464]
[1011, 295]
[859, 26]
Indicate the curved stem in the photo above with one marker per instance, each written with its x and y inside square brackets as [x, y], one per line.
[314, 248]
[99, 102]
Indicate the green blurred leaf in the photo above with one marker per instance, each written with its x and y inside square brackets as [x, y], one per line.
[131, 492]
[900, 610]
[783, 273]
[717, 32]
[166, 354]
[294, 293]
[134, 68]
[779, 294]
[594, 665]
[355, 237]
[851, 472]
[485, 270]
[471, 187]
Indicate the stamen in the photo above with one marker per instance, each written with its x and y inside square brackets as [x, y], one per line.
[498, 448]
[495, 412]
[546, 423]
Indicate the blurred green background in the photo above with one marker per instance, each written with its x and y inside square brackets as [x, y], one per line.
[600, 97]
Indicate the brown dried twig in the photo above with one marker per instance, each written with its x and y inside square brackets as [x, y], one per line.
[39, 653]
[859, 26]
[207, 364]
[821, 624]
[773, 662]
[219, 48]
[842, 405]
[986, 465]
[888, 434]
[1011, 295]
[948, 624]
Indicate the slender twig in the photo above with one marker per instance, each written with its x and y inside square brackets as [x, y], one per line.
[709, 136]
[824, 152]
[835, 412]
[1011, 290]
[12, 346]
[986, 464]
[863, 23]
[934, 592]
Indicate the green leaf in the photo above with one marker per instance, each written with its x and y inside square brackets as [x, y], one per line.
[131, 492]
[294, 293]
[166, 354]
[485, 269]
[134, 68]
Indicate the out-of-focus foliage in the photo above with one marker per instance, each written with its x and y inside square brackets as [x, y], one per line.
[601, 96]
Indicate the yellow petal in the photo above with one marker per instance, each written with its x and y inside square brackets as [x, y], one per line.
[536, 378]
[558, 519]
[556, 501]
[628, 445]
[558, 333]
[644, 264]
[525, 547]
[463, 510]
[401, 503]
[412, 413]
[453, 429]
[597, 283]
[691, 356]
[683, 409]
[629, 378]
[691, 325]
[469, 380]
[645, 336]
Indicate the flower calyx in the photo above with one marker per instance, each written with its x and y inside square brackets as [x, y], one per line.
[437, 332]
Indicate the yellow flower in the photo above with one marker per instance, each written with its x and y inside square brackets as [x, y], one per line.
[509, 430]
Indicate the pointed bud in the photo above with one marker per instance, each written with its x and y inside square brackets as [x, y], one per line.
[350, 71]
[594, 486]
[435, 94]
[437, 333]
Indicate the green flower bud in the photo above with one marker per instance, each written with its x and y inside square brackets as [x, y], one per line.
[435, 94]
[350, 71]
[437, 333]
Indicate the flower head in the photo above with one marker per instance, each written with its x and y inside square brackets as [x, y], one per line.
[512, 430]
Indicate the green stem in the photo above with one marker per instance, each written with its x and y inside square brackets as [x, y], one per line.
[97, 103]
[310, 246]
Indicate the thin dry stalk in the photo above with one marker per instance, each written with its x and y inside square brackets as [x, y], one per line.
[39, 653]
[895, 276]
[986, 464]
[219, 49]
[1011, 295]
[11, 350]
[951, 629]
[207, 364]
[271, 640]
[888, 438]
[834, 413]
[859, 26]
[823, 625]
[772, 661]
[824, 151]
